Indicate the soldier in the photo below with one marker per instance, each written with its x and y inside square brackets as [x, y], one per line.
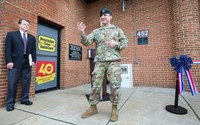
[110, 40]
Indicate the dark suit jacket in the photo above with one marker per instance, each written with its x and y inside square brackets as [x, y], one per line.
[14, 48]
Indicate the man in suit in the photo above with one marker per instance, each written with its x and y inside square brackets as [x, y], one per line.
[20, 55]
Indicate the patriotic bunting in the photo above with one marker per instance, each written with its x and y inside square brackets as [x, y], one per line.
[183, 63]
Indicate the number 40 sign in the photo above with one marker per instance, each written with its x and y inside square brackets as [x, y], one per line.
[143, 33]
[45, 71]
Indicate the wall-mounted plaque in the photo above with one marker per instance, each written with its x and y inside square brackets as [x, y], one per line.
[143, 41]
[142, 37]
[75, 52]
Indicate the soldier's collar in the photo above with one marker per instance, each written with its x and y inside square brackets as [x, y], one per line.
[111, 26]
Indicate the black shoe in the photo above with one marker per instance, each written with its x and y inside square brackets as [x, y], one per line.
[27, 103]
[10, 108]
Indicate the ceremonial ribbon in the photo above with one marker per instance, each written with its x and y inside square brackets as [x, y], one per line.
[196, 62]
[181, 83]
[184, 63]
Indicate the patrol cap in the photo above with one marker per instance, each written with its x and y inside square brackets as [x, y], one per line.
[105, 11]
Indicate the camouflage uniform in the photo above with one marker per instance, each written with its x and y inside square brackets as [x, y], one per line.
[107, 60]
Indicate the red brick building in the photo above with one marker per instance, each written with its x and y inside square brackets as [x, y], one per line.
[172, 25]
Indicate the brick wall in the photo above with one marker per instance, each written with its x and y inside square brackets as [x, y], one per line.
[186, 33]
[65, 13]
[153, 68]
[150, 62]
[151, 65]
[2, 61]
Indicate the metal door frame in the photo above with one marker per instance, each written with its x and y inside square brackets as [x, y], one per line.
[58, 27]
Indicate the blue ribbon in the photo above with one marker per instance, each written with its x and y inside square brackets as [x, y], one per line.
[182, 62]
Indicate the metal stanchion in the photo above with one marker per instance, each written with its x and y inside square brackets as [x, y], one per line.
[175, 108]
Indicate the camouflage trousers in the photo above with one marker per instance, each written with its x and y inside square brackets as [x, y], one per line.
[112, 70]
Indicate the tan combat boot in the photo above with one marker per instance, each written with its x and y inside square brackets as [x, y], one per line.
[89, 112]
[114, 115]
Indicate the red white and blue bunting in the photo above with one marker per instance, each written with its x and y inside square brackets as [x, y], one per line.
[196, 61]
[183, 63]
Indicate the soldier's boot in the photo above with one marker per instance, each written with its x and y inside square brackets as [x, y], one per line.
[114, 114]
[89, 112]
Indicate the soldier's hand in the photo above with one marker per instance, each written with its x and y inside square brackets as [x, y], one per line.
[81, 26]
[111, 43]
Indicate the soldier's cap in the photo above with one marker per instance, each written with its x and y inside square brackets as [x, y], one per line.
[105, 11]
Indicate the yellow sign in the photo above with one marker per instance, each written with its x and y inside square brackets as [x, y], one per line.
[46, 44]
[44, 79]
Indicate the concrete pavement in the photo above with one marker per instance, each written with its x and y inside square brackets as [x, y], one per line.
[138, 106]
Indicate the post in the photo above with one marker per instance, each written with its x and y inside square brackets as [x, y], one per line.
[175, 108]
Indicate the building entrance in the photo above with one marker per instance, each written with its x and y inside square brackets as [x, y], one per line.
[47, 57]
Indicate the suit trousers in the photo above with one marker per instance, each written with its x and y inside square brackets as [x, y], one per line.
[14, 75]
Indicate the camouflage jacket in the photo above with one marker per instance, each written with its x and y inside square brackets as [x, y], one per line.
[103, 51]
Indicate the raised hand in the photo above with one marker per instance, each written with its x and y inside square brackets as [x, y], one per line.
[81, 26]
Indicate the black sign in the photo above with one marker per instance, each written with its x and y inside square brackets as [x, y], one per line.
[75, 52]
[143, 41]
